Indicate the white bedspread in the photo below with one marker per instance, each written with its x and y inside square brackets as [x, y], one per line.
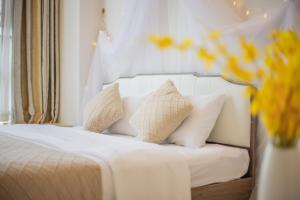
[139, 170]
[212, 163]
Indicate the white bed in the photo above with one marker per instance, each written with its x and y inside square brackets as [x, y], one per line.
[213, 163]
[131, 169]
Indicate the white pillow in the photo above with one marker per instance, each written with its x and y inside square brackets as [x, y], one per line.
[130, 105]
[195, 129]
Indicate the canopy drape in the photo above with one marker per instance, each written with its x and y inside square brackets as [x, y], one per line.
[130, 51]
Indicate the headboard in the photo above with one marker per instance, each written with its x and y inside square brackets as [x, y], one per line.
[233, 126]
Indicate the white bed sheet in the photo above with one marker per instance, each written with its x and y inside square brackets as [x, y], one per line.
[213, 163]
[210, 164]
[123, 161]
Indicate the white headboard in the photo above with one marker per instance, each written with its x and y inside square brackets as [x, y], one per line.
[234, 123]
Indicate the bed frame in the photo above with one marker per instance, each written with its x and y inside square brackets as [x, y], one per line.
[239, 189]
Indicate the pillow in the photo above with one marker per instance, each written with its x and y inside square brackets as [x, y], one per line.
[104, 109]
[160, 113]
[196, 128]
[130, 105]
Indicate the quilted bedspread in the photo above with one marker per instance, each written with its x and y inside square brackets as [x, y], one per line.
[30, 171]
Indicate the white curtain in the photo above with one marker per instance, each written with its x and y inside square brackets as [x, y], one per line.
[6, 19]
[129, 52]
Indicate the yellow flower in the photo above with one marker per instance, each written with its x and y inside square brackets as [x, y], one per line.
[250, 91]
[254, 107]
[285, 41]
[207, 57]
[163, 42]
[185, 44]
[153, 38]
[250, 53]
[214, 35]
[240, 73]
[270, 62]
[260, 73]
[222, 50]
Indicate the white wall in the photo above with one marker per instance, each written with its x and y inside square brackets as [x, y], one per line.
[80, 24]
[69, 73]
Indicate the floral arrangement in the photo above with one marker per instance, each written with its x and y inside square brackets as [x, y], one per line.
[275, 72]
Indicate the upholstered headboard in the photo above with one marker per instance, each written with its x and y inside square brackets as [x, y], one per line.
[233, 126]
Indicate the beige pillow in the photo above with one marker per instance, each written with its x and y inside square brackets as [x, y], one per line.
[104, 109]
[160, 114]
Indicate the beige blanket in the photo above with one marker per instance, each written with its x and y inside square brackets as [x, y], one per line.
[30, 171]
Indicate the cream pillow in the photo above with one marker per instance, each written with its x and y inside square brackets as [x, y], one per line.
[160, 113]
[103, 110]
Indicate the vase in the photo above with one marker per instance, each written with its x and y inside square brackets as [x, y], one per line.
[279, 178]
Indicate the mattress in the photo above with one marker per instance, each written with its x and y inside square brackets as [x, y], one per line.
[213, 163]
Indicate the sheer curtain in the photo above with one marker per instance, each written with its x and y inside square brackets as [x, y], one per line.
[6, 19]
[128, 52]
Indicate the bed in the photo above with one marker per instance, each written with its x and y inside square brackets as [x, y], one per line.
[78, 164]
